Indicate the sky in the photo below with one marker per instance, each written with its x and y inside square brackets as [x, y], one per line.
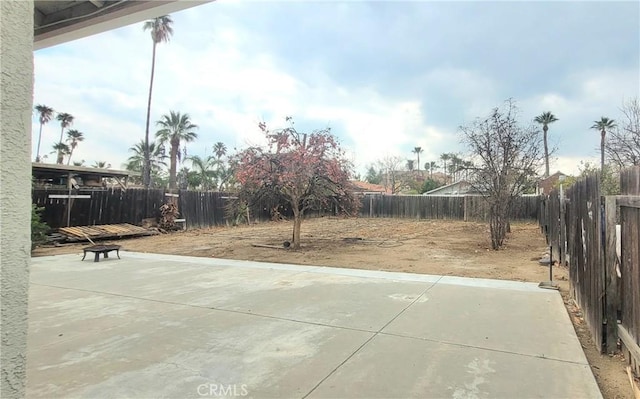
[384, 76]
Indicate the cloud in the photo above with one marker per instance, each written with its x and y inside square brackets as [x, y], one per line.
[386, 77]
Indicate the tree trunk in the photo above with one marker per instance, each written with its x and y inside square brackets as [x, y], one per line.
[546, 152]
[172, 168]
[146, 168]
[445, 173]
[59, 160]
[297, 222]
[70, 155]
[602, 136]
[38, 148]
[499, 222]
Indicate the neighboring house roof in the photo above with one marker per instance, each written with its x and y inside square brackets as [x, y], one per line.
[365, 187]
[457, 188]
[50, 169]
[56, 174]
[546, 185]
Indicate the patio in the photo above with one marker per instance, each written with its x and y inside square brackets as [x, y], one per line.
[160, 326]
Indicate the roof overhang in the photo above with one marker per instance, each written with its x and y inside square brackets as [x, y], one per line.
[56, 170]
[58, 21]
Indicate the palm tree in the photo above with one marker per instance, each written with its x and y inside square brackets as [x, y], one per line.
[65, 120]
[455, 166]
[410, 165]
[73, 138]
[101, 165]
[157, 157]
[61, 149]
[603, 125]
[219, 149]
[431, 166]
[418, 151]
[161, 31]
[78, 163]
[204, 167]
[175, 128]
[445, 157]
[45, 114]
[545, 119]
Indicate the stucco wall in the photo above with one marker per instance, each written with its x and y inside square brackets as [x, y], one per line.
[16, 88]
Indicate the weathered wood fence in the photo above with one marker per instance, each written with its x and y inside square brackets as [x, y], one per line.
[471, 207]
[599, 238]
[207, 209]
[114, 205]
[628, 289]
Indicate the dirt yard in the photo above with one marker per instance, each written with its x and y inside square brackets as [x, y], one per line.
[427, 246]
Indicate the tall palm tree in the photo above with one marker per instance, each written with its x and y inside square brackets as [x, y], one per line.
[61, 149]
[545, 119]
[175, 128]
[456, 166]
[73, 138]
[45, 114]
[219, 149]
[161, 31]
[418, 151]
[444, 158]
[65, 120]
[431, 166]
[603, 125]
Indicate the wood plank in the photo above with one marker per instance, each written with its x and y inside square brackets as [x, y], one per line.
[628, 201]
[611, 278]
[629, 343]
[81, 196]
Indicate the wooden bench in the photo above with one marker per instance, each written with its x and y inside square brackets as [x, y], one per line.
[101, 249]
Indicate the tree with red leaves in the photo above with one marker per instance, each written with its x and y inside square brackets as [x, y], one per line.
[305, 171]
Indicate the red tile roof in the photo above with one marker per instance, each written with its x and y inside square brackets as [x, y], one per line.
[363, 186]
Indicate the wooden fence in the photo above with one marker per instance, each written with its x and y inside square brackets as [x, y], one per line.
[207, 209]
[470, 207]
[599, 238]
[114, 205]
[571, 222]
[584, 246]
[628, 289]
[92, 207]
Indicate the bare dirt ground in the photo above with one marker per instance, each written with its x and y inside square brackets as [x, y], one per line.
[426, 246]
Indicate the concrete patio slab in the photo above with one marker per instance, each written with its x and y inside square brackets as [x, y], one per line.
[399, 367]
[151, 326]
[501, 319]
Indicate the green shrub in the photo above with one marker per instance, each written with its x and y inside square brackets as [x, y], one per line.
[39, 229]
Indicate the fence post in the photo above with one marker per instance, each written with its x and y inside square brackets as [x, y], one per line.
[464, 211]
[563, 229]
[370, 206]
[611, 283]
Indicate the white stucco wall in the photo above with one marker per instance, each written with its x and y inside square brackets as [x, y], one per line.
[16, 88]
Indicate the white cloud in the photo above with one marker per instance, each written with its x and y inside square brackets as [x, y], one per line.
[228, 81]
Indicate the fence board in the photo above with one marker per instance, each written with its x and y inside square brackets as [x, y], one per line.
[203, 209]
[442, 207]
[630, 264]
[590, 244]
[576, 227]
